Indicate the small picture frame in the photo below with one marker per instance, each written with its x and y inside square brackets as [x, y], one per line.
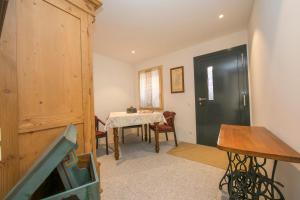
[177, 79]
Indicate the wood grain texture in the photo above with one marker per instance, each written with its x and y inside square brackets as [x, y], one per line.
[54, 75]
[90, 34]
[9, 165]
[116, 143]
[33, 144]
[255, 141]
[88, 6]
[49, 66]
[45, 80]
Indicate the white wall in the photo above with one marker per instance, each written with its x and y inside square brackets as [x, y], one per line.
[114, 85]
[274, 38]
[184, 103]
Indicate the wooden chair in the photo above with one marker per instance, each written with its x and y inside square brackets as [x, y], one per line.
[100, 134]
[169, 126]
[138, 131]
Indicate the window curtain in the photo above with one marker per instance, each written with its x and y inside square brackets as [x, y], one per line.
[150, 89]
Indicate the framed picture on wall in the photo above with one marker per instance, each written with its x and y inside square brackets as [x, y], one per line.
[177, 79]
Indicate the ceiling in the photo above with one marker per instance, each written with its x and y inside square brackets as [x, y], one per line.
[156, 27]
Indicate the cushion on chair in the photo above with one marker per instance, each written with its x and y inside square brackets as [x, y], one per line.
[100, 134]
[162, 127]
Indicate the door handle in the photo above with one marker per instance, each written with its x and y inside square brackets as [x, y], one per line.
[244, 99]
[201, 99]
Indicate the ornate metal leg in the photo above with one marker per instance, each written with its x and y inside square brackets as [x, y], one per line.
[225, 178]
[265, 187]
[116, 143]
[238, 182]
[247, 178]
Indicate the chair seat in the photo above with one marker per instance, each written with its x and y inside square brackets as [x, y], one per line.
[162, 127]
[100, 134]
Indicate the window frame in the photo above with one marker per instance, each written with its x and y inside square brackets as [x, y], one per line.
[161, 95]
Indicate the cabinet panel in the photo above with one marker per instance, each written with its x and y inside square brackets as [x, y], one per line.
[9, 162]
[49, 66]
[45, 80]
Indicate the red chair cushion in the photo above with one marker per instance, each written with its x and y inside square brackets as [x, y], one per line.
[162, 127]
[100, 134]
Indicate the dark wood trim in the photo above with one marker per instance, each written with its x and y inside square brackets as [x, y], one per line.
[3, 7]
[175, 68]
[116, 143]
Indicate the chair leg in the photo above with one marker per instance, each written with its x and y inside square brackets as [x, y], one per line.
[106, 140]
[149, 135]
[97, 143]
[138, 131]
[175, 138]
[167, 136]
[142, 131]
[156, 141]
[123, 135]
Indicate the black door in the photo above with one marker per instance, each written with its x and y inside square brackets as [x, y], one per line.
[221, 92]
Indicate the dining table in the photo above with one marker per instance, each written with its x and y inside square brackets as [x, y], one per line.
[249, 149]
[118, 120]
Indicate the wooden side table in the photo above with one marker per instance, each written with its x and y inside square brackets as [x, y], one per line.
[248, 150]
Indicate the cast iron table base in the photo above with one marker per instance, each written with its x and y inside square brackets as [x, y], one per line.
[246, 178]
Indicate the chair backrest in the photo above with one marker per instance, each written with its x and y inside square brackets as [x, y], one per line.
[97, 121]
[170, 117]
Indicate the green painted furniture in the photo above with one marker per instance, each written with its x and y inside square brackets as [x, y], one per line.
[59, 174]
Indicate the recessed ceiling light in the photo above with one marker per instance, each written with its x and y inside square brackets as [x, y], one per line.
[221, 16]
[133, 51]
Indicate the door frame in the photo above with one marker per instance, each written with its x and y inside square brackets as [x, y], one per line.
[243, 47]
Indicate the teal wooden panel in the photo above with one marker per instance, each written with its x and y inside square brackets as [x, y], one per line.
[44, 165]
[79, 183]
[89, 191]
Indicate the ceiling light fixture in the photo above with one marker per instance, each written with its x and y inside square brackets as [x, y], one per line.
[221, 16]
[133, 51]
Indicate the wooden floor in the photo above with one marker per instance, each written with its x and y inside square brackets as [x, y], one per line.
[200, 153]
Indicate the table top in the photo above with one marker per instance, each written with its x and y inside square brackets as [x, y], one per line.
[123, 119]
[125, 114]
[255, 141]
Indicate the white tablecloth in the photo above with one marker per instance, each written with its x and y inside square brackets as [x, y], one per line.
[122, 119]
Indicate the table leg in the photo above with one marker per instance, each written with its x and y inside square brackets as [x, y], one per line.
[156, 140]
[116, 143]
[146, 133]
[247, 178]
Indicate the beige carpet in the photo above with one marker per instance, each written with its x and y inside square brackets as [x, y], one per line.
[142, 174]
[200, 153]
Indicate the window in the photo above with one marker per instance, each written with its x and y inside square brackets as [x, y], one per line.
[150, 88]
[210, 83]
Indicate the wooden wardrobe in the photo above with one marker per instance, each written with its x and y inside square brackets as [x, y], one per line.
[46, 80]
